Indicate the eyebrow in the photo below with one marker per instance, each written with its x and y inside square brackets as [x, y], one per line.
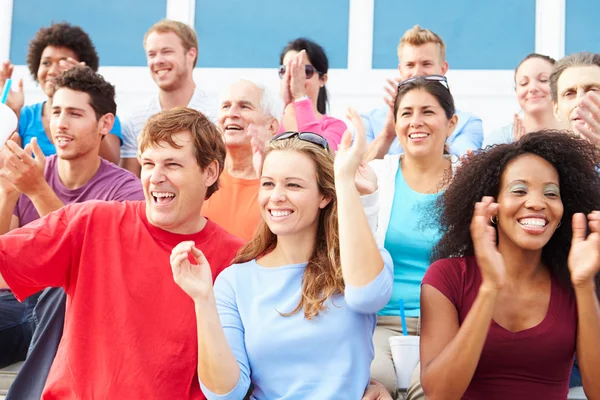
[586, 86]
[287, 179]
[526, 182]
[425, 106]
[58, 107]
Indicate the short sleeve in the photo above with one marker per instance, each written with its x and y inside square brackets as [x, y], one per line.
[24, 120]
[37, 255]
[446, 276]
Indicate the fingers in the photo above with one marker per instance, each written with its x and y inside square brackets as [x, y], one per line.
[346, 141]
[579, 226]
[37, 151]
[181, 248]
[594, 221]
[199, 256]
[360, 139]
[19, 155]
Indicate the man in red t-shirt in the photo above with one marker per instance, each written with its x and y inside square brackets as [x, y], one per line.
[130, 331]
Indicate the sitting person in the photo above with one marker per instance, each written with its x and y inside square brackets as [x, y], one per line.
[248, 118]
[513, 295]
[294, 316]
[303, 74]
[532, 86]
[409, 186]
[421, 52]
[53, 50]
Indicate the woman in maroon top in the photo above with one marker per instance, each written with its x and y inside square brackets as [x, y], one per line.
[514, 293]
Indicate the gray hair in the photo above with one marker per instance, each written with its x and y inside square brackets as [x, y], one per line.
[583, 59]
[271, 104]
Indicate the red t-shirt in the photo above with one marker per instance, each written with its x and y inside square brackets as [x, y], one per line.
[531, 364]
[130, 331]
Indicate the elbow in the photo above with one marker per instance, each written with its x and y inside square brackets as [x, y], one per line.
[436, 387]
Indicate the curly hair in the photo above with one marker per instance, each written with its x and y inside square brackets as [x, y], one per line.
[575, 160]
[61, 35]
[83, 79]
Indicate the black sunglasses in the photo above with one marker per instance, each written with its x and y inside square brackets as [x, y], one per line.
[310, 137]
[309, 71]
[435, 78]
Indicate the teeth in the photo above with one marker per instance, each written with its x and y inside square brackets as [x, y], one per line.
[537, 222]
[276, 213]
[417, 135]
[234, 127]
[63, 140]
[163, 194]
[161, 72]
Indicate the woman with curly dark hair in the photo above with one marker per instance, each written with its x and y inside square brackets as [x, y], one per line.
[513, 294]
[55, 49]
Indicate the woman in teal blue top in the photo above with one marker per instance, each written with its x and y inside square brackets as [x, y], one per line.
[295, 315]
[408, 187]
[55, 49]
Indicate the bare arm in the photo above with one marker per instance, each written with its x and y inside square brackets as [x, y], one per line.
[131, 164]
[449, 353]
[380, 146]
[588, 339]
[110, 148]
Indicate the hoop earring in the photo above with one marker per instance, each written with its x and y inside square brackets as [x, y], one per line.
[494, 219]
[558, 226]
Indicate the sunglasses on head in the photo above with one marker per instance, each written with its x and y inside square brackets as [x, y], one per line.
[310, 137]
[309, 71]
[435, 78]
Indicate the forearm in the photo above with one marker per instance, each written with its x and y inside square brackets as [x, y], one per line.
[379, 146]
[588, 338]
[7, 207]
[449, 374]
[45, 200]
[132, 165]
[218, 369]
[359, 255]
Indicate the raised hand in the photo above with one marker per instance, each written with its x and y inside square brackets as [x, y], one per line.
[259, 136]
[16, 98]
[584, 256]
[588, 111]
[518, 127]
[284, 86]
[350, 155]
[194, 279]
[483, 234]
[298, 75]
[389, 98]
[69, 63]
[23, 171]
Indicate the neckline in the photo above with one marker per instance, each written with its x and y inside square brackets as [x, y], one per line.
[543, 325]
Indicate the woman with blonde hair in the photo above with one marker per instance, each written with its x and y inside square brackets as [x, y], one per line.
[294, 316]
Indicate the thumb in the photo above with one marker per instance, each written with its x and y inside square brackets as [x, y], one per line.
[346, 141]
[20, 85]
[37, 151]
[579, 228]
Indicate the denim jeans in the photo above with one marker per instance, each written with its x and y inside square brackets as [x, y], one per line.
[49, 314]
[16, 327]
[575, 376]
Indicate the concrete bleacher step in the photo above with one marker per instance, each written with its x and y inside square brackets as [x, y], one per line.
[7, 376]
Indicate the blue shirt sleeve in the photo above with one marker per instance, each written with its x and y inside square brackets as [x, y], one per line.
[374, 122]
[234, 332]
[116, 129]
[376, 294]
[469, 137]
[499, 136]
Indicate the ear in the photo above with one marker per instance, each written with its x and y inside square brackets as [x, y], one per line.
[445, 67]
[452, 124]
[192, 53]
[273, 126]
[324, 202]
[211, 173]
[323, 79]
[555, 109]
[105, 123]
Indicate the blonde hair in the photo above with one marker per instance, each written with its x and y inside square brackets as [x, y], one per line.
[417, 36]
[183, 31]
[322, 277]
[209, 144]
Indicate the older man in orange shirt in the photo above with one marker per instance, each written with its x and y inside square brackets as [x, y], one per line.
[248, 117]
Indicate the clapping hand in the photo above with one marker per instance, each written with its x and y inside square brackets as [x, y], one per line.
[518, 127]
[259, 136]
[588, 110]
[584, 256]
[21, 170]
[194, 279]
[296, 66]
[483, 235]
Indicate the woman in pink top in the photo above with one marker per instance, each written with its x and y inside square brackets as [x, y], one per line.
[514, 293]
[303, 74]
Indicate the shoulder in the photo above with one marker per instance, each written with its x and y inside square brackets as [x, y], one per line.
[329, 121]
[228, 278]
[376, 113]
[450, 272]
[96, 210]
[224, 241]
[467, 116]
[29, 115]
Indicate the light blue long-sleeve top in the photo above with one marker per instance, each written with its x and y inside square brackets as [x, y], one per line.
[328, 357]
[468, 133]
[503, 135]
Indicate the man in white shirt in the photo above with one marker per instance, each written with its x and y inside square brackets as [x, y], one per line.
[172, 52]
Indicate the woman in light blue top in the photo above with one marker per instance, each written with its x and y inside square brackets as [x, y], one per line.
[294, 316]
[532, 86]
[408, 187]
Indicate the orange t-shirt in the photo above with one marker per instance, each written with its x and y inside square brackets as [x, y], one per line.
[234, 206]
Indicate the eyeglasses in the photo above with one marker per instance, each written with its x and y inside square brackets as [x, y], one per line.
[436, 78]
[310, 137]
[309, 71]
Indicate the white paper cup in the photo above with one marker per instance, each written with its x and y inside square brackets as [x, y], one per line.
[405, 353]
[8, 123]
